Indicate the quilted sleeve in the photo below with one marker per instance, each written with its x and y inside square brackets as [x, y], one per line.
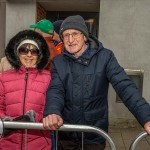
[127, 91]
[2, 99]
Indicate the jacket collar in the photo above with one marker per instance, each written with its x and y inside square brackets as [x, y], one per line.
[31, 69]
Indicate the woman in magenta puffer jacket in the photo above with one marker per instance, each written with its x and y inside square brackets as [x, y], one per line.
[23, 89]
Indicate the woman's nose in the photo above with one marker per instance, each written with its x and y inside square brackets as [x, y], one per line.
[29, 53]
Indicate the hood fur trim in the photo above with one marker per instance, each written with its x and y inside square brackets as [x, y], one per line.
[11, 49]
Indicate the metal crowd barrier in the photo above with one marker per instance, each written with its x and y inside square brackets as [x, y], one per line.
[65, 127]
[137, 140]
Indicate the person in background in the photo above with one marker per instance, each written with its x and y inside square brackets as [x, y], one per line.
[23, 90]
[78, 92]
[57, 41]
[4, 64]
[46, 29]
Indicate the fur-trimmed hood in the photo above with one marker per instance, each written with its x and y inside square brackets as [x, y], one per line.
[11, 49]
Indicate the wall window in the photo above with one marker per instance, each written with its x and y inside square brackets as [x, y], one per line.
[137, 77]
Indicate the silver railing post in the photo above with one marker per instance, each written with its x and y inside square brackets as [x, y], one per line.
[137, 140]
[1, 127]
[65, 127]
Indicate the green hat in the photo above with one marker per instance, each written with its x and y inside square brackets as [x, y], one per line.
[44, 25]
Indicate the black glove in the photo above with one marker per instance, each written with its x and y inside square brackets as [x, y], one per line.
[6, 130]
[31, 114]
[28, 117]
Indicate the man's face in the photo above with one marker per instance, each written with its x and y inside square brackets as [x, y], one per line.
[74, 42]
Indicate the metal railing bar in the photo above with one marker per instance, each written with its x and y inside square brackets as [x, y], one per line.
[65, 127]
[56, 143]
[82, 140]
[137, 140]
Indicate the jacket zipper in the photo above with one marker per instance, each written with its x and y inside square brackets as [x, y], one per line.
[26, 79]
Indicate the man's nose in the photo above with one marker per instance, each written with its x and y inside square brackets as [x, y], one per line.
[70, 38]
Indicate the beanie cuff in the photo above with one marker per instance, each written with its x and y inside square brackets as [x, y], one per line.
[74, 22]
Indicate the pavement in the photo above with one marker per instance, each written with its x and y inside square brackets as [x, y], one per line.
[123, 137]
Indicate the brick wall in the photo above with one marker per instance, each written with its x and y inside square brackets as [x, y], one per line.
[41, 12]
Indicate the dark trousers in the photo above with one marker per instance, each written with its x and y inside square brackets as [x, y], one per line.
[70, 145]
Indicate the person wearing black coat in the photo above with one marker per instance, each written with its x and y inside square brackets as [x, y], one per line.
[78, 92]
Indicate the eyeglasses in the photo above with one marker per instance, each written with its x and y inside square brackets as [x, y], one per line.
[75, 35]
[25, 51]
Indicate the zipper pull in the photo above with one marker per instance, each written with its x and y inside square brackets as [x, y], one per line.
[26, 76]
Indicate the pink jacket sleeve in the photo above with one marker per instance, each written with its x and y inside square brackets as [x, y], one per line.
[2, 99]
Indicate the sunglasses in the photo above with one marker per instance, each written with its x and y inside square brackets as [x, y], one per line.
[25, 51]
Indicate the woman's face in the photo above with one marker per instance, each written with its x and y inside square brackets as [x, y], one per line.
[28, 55]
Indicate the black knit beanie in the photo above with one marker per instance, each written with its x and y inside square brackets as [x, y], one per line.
[57, 25]
[74, 22]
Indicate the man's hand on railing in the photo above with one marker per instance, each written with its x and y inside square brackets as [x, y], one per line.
[52, 122]
[147, 127]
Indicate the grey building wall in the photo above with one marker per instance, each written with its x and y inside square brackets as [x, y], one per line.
[19, 15]
[2, 26]
[15, 16]
[124, 28]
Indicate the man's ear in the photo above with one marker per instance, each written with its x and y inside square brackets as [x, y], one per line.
[85, 39]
